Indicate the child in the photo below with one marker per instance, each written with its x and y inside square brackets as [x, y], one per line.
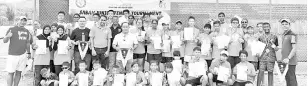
[205, 42]
[196, 69]
[116, 72]
[177, 62]
[217, 64]
[136, 77]
[251, 73]
[50, 79]
[249, 37]
[172, 78]
[99, 74]
[83, 77]
[67, 72]
[155, 77]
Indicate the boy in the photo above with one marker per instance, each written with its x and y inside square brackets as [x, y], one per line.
[172, 78]
[99, 74]
[50, 79]
[67, 72]
[196, 69]
[155, 77]
[116, 72]
[214, 69]
[136, 77]
[250, 70]
[83, 77]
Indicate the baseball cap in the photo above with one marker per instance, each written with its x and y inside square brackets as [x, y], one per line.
[285, 20]
[224, 53]
[23, 17]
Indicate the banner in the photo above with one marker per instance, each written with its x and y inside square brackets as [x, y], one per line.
[136, 7]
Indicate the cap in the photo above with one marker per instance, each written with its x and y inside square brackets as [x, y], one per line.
[23, 17]
[285, 20]
[224, 52]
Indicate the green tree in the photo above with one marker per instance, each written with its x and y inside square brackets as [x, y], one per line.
[10, 13]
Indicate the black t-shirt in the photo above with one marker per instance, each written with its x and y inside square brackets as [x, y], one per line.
[77, 36]
[114, 32]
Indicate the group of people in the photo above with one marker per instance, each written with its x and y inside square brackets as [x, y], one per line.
[131, 51]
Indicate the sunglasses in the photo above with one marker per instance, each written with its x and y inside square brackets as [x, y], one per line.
[64, 67]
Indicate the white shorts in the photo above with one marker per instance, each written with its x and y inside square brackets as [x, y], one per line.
[16, 63]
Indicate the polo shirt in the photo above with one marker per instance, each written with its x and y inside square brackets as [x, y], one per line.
[235, 46]
[150, 47]
[217, 63]
[123, 41]
[100, 36]
[18, 42]
[77, 36]
[114, 31]
[288, 38]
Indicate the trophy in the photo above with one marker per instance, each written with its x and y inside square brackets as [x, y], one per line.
[124, 52]
[83, 46]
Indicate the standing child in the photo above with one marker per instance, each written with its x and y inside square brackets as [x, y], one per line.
[99, 74]
[249, 37]
[243, 65]
[166, 51]
[83, 77]
[136, 77]
[50, 79]
[65, 71]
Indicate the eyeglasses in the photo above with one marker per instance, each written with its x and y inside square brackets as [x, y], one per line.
[64, 67]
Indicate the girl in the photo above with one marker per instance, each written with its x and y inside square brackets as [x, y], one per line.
[42, 60]
[116, 72]
[167, 55]
[249, 37]
[205, 40]
[136, 76]
[139, 52]
[60, 58]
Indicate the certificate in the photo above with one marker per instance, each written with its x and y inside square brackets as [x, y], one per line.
[83, 79]
[223, 74]
[176, 41]
[157, 42]
[241, 72]
[131, 79]
[222, 41]
[166, 45]
[157, 79]
[257, 47]
[118, 80]
[187, 58]
[62, 47]
[196, 69]
[41, 49]
[99, 76]
[205, 47]
[63, 80]
[189, 33]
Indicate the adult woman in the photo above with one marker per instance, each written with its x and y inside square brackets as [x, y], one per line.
[60, 58]
[42, 60]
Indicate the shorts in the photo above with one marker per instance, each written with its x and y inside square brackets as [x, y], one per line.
[236, 83]
[157, 57]
[195, 81]
[167, 59]
[215, 79]
[266, 66]
[16, 63]
[139, 56]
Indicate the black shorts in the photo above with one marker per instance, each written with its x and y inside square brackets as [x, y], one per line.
[195, 81]
[157, 57]
[215, 79]
[167, 59]
[139, 56]
[236, 83]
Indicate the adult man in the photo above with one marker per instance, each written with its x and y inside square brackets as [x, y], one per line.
[125, 43]
[115, 29]
[268, 57]
[124, 18]
[80, 38]
[223, 24]
[19, 51]
[110, 15]
[236, 41]
[244, 25]
[259, 29]
[131, 19]
[289, 41]
[100, 39]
